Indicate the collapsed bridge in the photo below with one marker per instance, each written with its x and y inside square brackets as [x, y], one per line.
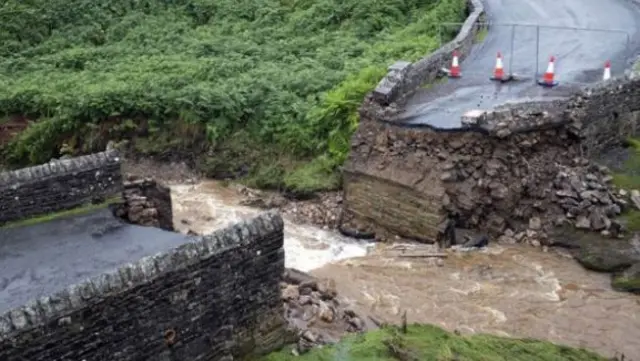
[494, 170]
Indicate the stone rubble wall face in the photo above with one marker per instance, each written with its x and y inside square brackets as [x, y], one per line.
[147, 203]
[59, 185]
[401, 180]
[215, 298]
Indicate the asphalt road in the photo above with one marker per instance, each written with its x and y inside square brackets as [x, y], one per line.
[38, 260]
[580, 55]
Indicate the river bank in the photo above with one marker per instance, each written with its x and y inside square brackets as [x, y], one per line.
[429, 343]
[509, 290]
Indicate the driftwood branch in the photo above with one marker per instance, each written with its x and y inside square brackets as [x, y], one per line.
[423, 255]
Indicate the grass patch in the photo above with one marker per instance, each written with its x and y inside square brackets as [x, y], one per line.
[631, 219]
[431, 343]
[629, 178]
[623, 283]
[481, 35]
[84, 209]
[287, 75]
[437, 81]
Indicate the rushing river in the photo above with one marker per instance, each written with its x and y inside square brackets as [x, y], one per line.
[517, 291]
[208, 206]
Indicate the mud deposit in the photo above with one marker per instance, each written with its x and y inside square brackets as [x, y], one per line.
[513, 291]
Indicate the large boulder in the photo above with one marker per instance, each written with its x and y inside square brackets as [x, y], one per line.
[618, 256]
[607, 256]
[599, 253]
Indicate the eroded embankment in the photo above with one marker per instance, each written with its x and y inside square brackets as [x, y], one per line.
[503, 169]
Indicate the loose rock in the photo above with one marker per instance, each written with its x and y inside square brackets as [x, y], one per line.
[313, 309]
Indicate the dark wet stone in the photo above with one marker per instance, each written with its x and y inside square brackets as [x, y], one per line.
[611, 256]
[477, 242]
[599, 253]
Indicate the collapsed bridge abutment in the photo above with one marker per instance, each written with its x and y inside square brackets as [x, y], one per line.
[495, 173]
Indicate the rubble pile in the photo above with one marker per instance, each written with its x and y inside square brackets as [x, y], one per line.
[315, 313]
[581, 196]
[322, 210]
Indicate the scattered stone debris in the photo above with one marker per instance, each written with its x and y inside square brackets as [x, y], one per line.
[315, 312]
[581, 196]
[322, 210]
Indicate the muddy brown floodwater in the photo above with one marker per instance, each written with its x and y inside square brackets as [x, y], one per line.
[517, 291]
[207, 206]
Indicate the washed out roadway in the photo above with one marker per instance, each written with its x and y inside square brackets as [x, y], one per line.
[580, 56]
[41, 259]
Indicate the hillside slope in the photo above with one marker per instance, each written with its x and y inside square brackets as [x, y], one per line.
[267, 88]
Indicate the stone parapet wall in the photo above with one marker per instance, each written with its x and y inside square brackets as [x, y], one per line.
[215, 298]
[605, 114]
[404, 77]
[59, 185]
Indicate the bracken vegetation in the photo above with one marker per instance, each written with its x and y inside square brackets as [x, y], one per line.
[431, 343]
[266, 89]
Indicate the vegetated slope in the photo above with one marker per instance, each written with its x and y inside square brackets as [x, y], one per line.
[264, 85]
[431, 343]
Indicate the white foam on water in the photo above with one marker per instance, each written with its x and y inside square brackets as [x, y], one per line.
[498, 315]
[306, 247]
[547, 279]
[471, 290]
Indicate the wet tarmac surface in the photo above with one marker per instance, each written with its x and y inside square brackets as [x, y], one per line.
[41, 259]
[580, 56]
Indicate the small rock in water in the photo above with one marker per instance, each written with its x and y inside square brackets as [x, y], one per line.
[478, 242]
[291, 292]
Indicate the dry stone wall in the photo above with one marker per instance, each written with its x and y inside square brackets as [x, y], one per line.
[146, 203]
[215, 298]
[516, 168]
[59, 185]
[606, 113]
[404, 77]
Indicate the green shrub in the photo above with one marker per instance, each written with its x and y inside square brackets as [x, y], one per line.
[290, 73]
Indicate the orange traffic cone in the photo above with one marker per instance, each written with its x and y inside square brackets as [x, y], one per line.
[547, 79]
[498, 72]
[607, 71]
[454, 72]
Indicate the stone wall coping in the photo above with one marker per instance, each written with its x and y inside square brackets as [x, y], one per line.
[56, 168]
[394, 85]
[63, 303]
